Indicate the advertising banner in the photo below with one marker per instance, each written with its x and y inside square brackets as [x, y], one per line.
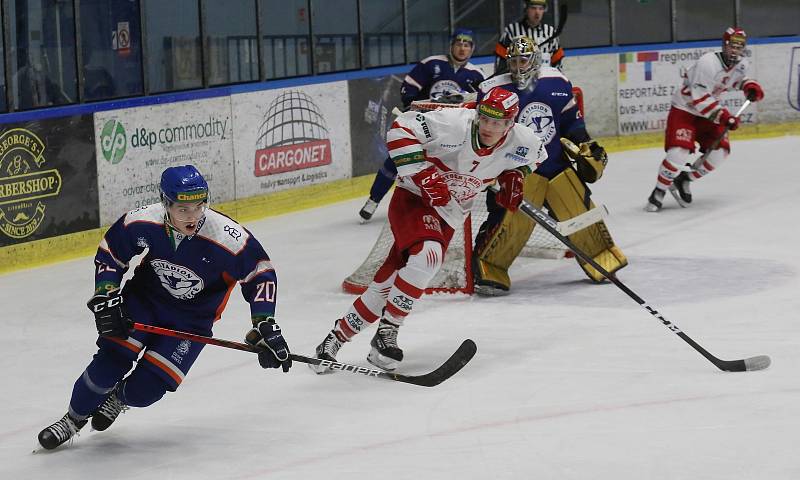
[371, 103]
[289, 138]
[48, 181]
[646, 81]
[135, 145]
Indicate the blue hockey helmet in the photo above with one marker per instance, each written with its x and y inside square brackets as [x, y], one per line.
[183, 184]
[463, 35]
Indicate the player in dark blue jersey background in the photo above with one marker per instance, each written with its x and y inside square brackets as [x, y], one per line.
[547, 105]
[194, 258]
[434, 77]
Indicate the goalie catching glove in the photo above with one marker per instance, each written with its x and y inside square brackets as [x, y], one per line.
[266, 335]
[435, 192]
[110, 315]
[510, 194]
[590, 159]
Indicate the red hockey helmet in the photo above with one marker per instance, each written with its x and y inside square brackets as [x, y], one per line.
[497, 112]
[733, 42]
[499, 104]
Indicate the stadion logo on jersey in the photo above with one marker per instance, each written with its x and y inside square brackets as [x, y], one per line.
[462, 187]
[794, 79]
[444, 87]
[293, 136]
[181, 282]
[539, 117]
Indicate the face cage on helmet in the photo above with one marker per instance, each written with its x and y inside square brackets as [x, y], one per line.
[522, 78]
[732, 54]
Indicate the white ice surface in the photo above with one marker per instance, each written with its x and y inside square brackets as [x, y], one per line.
[571, 380]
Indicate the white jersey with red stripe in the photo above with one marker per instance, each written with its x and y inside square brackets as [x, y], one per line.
[447, 138]
[705, 81]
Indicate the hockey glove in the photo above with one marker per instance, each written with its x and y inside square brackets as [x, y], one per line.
[510, 194]
[110, 315]
[590, 160]
[435, 192]
[266, 335]
[725, 118]
[753, 91]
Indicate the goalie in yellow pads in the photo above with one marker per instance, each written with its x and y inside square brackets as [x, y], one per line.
[548, 107]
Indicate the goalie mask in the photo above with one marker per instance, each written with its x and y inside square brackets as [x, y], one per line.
[496, 114]
[524, 61]
[184, 194]
[733, 43]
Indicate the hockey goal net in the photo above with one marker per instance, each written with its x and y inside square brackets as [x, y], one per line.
[456, 272]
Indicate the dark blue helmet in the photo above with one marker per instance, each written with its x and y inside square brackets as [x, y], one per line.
[183, 184]
[464, 35]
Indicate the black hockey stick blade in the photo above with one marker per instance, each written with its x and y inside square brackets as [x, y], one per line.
[456, 362]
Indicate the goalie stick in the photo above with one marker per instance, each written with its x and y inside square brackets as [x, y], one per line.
[450, 367]
[759, 362]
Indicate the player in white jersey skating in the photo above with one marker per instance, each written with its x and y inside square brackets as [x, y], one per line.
[444, 159]
[698, 116]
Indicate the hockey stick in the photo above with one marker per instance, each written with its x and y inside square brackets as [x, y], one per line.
[716, 143]
[759, 362]
[585, 219]
[450, 367]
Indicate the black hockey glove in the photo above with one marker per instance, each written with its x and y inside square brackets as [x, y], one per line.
[110, 314]
[266, 335]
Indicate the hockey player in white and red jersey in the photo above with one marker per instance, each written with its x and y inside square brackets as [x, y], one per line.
[444, 158]
[697, 115]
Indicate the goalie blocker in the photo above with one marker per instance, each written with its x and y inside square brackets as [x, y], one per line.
[503, 235]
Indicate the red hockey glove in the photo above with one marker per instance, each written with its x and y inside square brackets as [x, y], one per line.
[753, 91]
[725, 118]
[510, 194]
[435, 192]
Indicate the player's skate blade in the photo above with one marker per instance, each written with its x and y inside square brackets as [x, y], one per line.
[384, 363]
[655, 201]
[60, 432]
[368, 210]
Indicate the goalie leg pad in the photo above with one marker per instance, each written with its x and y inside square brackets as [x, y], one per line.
[502, 237]
[568, 197]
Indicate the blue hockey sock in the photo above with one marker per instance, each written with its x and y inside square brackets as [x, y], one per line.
[384, 180]
[95, 383]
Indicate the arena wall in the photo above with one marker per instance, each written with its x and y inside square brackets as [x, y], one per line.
[281, 146]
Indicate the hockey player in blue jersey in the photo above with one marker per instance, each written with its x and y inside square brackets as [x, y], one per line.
[195, 256]
[435, 77]
[548, 107]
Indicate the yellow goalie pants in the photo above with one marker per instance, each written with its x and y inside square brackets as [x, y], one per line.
[503, 235]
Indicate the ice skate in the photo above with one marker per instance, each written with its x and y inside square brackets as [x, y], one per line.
[107, 412]
[327, 350]
[655, 201]
[60, 432]
[385, 353]
[680, 189]
[368, 210]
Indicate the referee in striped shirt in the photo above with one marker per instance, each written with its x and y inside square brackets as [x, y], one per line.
[532, 27]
